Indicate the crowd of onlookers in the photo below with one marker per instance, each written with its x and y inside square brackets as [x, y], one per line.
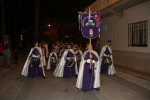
[5, 54]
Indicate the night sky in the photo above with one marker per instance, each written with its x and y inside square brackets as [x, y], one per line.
[20, 14]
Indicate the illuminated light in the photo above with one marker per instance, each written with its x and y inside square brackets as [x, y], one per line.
[66, 36]
[49, 25]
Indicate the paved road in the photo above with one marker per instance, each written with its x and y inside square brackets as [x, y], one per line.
[14, 86]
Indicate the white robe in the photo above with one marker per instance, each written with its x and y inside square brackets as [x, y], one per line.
[81, 71]
[47, 51]
[80, 54]
[26, 65]
[49, 62]
[57, 49]
[78, 51]
[60, 67]
[111, 69]
[42, 56]
[60, 54]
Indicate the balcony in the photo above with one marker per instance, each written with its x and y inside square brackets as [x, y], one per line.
[116, 7]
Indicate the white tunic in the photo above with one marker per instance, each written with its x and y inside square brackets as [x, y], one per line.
[60, 67]
[81, 71]
[49, 63]
[26, 65]
[80, 54]
[111, 69]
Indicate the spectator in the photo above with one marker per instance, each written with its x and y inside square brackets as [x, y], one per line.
[1, 48]
[23, 49]
[1, 55]
[7, 54]
[16, 56]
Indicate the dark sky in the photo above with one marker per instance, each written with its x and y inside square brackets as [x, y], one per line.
[21, 13]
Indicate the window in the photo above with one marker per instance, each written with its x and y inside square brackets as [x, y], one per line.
[58, 39]
[138, 34]
[66, 30]
[74, 30]
[44, 29]
[66, 39]
[21, 37]
[58, 31]
[74, 39]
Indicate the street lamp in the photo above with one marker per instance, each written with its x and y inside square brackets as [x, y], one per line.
[50, 28]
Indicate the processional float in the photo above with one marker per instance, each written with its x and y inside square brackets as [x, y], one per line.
[89, 24]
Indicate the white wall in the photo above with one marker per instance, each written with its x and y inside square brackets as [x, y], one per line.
[137, 59]
[117, 30]
[132, 60]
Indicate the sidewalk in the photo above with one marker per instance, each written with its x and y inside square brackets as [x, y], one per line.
[123, 86]
[134, 79]
[134, 72]
[4, 72]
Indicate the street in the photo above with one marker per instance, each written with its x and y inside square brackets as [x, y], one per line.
[14, 86]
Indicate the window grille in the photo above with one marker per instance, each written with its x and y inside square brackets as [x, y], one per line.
[138, 34]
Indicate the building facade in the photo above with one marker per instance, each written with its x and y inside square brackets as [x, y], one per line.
[58, 29]
[128, 28]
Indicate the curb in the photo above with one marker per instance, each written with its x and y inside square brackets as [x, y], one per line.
[134, 74]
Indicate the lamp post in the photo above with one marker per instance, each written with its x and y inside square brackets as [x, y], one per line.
[36, 19]
[50, 28]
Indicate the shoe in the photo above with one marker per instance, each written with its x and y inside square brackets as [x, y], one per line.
[76, 76]
[43, 77]
[84, 91]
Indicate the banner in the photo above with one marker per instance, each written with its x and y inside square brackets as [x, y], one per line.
[90, 24]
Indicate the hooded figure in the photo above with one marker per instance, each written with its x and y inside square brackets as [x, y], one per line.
[106, 53]
[64, 69]
[52, 60]
[89, 76]
[32, 71]
[78, 53]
